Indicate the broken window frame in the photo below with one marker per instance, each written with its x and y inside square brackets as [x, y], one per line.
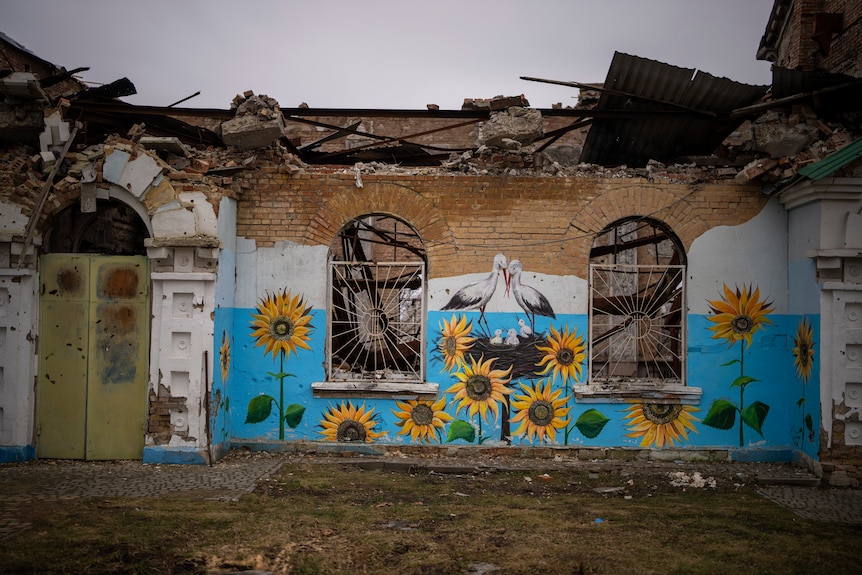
[637, 320]
[376, 311]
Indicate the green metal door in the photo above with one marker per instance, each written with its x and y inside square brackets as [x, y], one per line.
[93, 357]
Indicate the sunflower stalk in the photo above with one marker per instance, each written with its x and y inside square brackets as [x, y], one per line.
[737, 317]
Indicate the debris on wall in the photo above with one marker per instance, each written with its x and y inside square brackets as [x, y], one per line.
[786, 141]
[257, 123]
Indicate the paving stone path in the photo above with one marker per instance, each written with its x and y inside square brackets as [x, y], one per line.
[833, 505]
[23, 484]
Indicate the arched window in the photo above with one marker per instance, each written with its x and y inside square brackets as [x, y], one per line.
[376, 323]
[637, 313]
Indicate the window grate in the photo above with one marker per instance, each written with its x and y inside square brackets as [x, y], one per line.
[376, 321]
[637, 332]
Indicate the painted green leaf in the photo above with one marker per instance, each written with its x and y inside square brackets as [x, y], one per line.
[809, 423]
[742, 381]
[460, 429]
[754, 414]
[801, 401]
[259, 408]
[293, 414]
[280, 374]
[591, 422]
[722, 414]
[731, 362]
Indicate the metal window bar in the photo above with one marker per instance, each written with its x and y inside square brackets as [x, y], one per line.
[376, 322]
[637, 327]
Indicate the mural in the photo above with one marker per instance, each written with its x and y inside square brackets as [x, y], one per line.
[346, 422]
[423, 420]
[660, 425]
[803, 359]
[506, 376]
[737, 317]
[281, 325]
[477, 295]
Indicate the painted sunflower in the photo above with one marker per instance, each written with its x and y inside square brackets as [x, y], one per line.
[454, 341]
[803, 350]
[281, 323]
[564, 355]
[349, 423]
[224, 356]
[422, 418]
[738, 315]
[660, 425]
[480, 388]
[541, 412]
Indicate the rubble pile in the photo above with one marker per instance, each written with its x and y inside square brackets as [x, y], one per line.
[787, 141]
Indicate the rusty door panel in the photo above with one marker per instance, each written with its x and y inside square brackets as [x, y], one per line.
[119, 352]
[61, 389]
[94, 350]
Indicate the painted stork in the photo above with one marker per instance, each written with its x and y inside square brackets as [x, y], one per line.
[477, 295]
[529, 298]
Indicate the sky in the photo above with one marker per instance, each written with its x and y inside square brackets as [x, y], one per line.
[399, 54]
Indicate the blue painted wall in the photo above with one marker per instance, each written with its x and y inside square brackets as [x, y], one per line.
[776, 398]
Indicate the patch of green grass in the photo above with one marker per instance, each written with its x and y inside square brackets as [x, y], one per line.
[316, 518]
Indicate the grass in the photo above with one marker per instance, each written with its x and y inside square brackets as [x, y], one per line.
[335, 518]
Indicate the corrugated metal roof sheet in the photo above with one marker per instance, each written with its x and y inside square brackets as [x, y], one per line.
[833, 162]
[641, 84]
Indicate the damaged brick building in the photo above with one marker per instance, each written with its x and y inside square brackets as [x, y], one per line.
[667, 269]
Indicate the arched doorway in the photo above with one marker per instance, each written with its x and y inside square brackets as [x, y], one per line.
[94, 325]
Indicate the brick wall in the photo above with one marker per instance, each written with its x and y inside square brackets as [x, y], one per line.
[464, 220]
[799, 49]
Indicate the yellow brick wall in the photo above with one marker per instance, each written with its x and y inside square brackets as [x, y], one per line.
[547, 223]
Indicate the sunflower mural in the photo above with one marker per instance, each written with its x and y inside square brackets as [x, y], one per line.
[281, 325]
[224, 356]
[659, 425]
[222, 403]
[480, 390]
[347, 422]
[422, 420]
[564, 355]
[455, 341]
[803, 360]
[540, 411]
[737, 316]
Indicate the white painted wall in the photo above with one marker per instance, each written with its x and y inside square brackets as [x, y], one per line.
[301, 269]
[752, 253]
[566, 294]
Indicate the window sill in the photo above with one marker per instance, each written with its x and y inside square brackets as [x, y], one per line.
[374, 389]
[637, 392]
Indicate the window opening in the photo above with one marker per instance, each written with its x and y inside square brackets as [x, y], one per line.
[637, 292]
[377, 302]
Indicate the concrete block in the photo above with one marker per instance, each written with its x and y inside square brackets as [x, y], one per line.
[139, 174]
[248, 132]
[174, 223]
[115, 164]
[206, 222]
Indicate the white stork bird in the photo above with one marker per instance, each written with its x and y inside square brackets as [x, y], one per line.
[477, 295]
[529, 298]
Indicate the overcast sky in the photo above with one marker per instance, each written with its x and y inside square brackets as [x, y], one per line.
[381, 53]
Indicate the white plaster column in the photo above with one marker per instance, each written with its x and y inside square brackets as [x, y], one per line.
[18, 317]
[181, 356]
[830, 224]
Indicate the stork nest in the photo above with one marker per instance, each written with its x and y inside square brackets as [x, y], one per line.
[522, 358]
